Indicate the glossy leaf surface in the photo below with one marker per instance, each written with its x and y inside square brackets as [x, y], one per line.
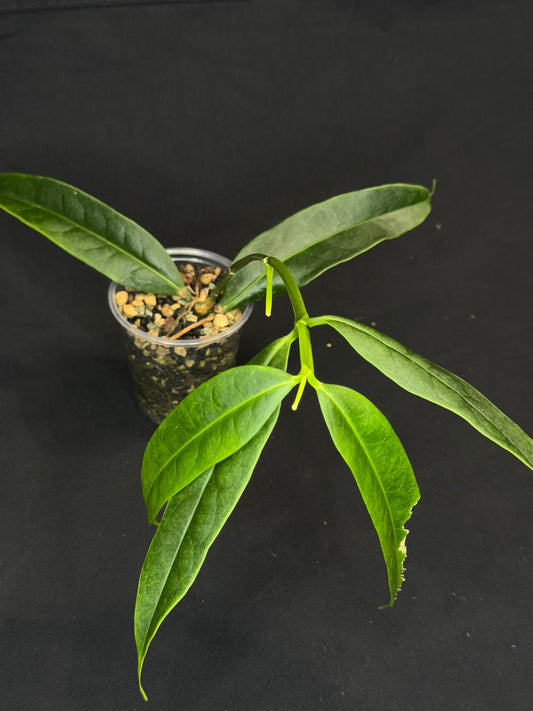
[421, 377]
[330, 232]
[191, 522]
[210, 424]
[378, 462]
[91, 231]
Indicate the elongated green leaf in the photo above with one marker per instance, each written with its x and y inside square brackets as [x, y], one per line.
[91, 231]
[421, 377]
[210, 424]
[191, 522]
[276, 354]
[330, 232]
[375, 455]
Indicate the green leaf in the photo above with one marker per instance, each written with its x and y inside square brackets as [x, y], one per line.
[421, 377]
[91, 231]
[276, 354]
[325, 234]
[191, 522]
[375, 455]
[210, 424]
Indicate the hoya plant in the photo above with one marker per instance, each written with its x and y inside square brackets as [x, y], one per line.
[201, 457]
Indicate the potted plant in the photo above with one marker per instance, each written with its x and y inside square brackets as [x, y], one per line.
[200, 458]
[175, 342]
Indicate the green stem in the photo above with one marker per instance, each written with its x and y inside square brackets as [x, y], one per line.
[306, 360]
[300, 312]
[304, 341]
[298, 305]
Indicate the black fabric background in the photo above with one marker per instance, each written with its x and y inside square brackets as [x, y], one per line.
[208, 123]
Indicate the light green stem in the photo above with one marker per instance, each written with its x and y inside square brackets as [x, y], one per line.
[293, 291]
[300, 312]
[269, 279]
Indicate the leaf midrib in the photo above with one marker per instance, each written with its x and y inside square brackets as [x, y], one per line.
[376, 475]
[92, 232]
[148, 639]
[355, 224]
[209, 478]
[445, 384]
[328, 237]
[200, 433]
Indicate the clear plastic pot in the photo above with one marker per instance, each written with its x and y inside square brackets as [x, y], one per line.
[163, 370]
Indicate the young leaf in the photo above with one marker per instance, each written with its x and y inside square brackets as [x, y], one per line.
[276, 354]
[210, 424]
[375, 455]
[191, 522]
[325, 234]
[421, 377]
[91, 231]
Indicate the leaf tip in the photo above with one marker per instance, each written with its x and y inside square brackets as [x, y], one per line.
[387, 605]
[139, 674]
